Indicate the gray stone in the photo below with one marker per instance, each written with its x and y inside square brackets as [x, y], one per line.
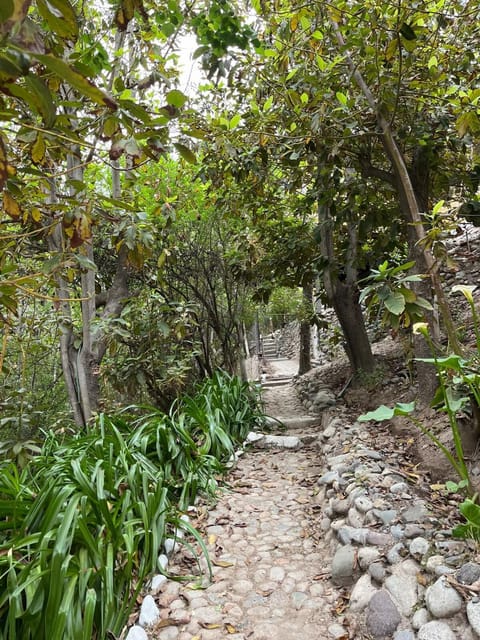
[149, 612]
[402, 586]
[366, 556]
[329, 478]
[157, 583]
[419, 547]
[343, 565]
[280, 442]
[473, 615]
[361, 593]
[385, 517]
[397, 531]
[170, 545]
[377, 571]
[347, 534]
[378, 539]
[370, 453]
[433, 562]
[418, 512]
[443, 570]
[469, 573]
[442, 600]
[363, 504]
[396, 553]
[253, 437]
[329, 432]
[355, 518]
[162, 562]
[399, 487]
[382, 616]
[420, 617]
[337, 632]
[324, 398]
[136, 633]
[413, 530]
[436, 630]
[340, 507]
[404, 634]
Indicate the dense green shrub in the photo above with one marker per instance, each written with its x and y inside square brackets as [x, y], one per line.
[83, 523]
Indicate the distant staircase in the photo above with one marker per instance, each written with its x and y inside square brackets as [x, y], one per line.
[271, 348]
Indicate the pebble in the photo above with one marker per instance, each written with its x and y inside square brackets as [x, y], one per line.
[473, 615]
[361, 593]
[149, 612]
[418, 547]
[382, 615]
[137, 633]
[343, 565]
[469, 573]
[442, 600]
[436, 630]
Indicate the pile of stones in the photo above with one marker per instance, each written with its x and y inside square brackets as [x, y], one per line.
[404, 575]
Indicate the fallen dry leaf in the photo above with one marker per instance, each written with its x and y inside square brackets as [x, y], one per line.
[230, 628]
[209, 625]
[222, 563]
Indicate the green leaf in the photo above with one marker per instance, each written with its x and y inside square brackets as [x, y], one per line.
[76, 80]
[342, 98]
[268, 104]
[407, 32]
[452, 361]
[395, 303]
[176, 98]
[424, 304]
[43, 98]
[471, 512]
[6, 10]
[65, 25]
[235, 121]
[185, 152]
[386, 413]
[381, 413]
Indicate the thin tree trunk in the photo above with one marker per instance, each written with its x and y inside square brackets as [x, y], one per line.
[305, 360]
[344, 297]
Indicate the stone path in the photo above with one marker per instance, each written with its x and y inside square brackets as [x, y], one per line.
[268, 567]
[334, 538]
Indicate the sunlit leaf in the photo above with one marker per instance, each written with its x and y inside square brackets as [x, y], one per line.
[38, 149]
[176, 98]
[11, 206]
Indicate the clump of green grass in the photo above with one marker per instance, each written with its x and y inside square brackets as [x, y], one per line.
[82, 525]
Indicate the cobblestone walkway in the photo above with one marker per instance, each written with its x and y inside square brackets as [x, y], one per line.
[268, 562]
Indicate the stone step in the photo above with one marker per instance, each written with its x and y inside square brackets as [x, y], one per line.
[268, 384]
[298, 422]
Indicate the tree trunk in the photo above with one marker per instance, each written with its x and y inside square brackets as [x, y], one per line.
[305, 360]
[344, 296]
